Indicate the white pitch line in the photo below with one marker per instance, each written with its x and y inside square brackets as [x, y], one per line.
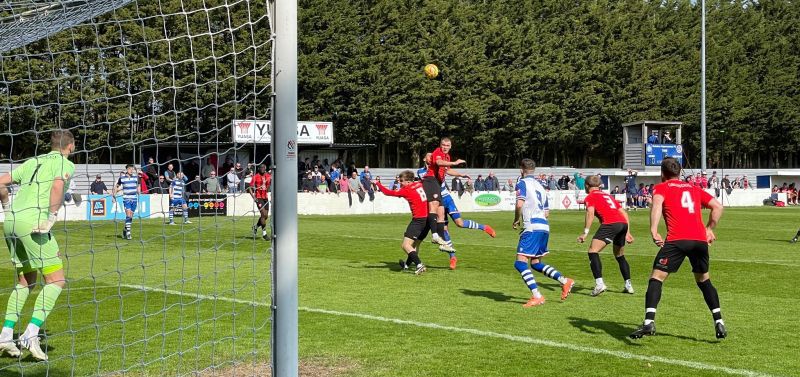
[769, 262]
[482, 333]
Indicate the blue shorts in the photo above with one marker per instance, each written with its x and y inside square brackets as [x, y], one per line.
[533, 244]
[450, 208]
[177, 202]
[130, 205]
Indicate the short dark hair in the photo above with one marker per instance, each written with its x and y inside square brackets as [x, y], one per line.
[129, 166]
[406, 175]
[527, 164]
[593, 181]
[670, 167]
[59, 139]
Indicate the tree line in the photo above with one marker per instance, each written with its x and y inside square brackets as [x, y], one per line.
[553, 80]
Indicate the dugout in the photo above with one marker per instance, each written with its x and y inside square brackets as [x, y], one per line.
[646, 143]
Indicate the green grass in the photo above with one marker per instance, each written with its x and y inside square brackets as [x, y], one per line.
[348, 265]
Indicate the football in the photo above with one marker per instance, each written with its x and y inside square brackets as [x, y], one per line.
[431, 71]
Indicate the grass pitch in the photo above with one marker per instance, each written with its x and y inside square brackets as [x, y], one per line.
[180, 299]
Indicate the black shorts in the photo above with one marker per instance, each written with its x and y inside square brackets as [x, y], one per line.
[433, 189]
[417, 229]
[671, 255]
[263, 204]
[612, 233]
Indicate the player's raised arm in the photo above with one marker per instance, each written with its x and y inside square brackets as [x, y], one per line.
[440, 162]
[456, 174]
[655, 219]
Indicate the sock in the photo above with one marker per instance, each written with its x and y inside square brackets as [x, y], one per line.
[171, 215]
[7, 334]
[45, 302]
[712, 299]
[16, 301]
[433, 224]
[550, 272]
[185, 215]
[408, 260]
[469, 224]
[128, 221]
[798, 234]
[527, 277]
[449, 242]
[596, 265]
[440, 229]
[624, 267]
[651, 299]
[414, 257]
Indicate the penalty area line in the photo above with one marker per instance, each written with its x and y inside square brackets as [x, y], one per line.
[482, 333]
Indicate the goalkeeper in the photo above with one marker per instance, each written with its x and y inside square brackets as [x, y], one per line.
[28, 221]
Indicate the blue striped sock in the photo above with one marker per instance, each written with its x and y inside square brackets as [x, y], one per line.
[469, 224]
[171, 215]
[527, 277]
[547, 270]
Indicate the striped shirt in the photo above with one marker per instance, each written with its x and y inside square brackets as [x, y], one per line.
[178, 187]
[536, 204]
[130, 187]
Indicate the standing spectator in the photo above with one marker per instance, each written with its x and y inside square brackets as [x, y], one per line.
[667, 139]
[510, 185]
[151, 169]
[169, 174]
[233, 181]
[745, 182]
[468, 186]
[571, 186]
[552, 183]
[323, 183]
[196, 185]
[366, 183]
[344, 186]
[356, 187]
[309, 184]
[653, 138]
[703, 181]
[563, 182]
[456, 185]
[143, 181]
[726, 184]
[316, 176]
[212, 183]
[162, 186]
[580, 181]
[395, 184]
[240, 174]
[98, 187]
[615, 191]
[334, 176]
[714, 184]
[492, 183]
[480, 183]
[630, 188]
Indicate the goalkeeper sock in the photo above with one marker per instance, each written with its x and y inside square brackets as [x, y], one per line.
[16, 301]
[45, 302]
[469, 224]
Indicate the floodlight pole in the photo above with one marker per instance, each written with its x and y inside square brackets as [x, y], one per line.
[284, 190]
[703, 85]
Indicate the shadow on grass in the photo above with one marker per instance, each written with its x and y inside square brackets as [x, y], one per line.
[496, 296]
[28, 366]
[620, 331]
[395, 266]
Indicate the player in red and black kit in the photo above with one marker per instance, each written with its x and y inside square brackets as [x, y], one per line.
[439, 166]
[418, 228]
[613, 229]
[681, 204]
[259, 190]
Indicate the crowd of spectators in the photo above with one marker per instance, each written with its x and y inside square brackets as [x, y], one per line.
[231, 177]
[790, 190]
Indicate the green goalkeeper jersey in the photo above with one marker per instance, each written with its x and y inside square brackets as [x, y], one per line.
[35, 178]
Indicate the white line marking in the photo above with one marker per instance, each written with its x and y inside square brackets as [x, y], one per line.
[488, 334]
[769, 262]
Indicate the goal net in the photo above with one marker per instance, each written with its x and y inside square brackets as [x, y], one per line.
[135, 80]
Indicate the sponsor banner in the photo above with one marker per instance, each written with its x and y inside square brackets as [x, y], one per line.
[259, 132]
[493, 201]
[106, 207]
[207, 205]
[655, 153]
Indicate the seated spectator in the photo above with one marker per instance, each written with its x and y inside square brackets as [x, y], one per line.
[791, 195]
[775, 189]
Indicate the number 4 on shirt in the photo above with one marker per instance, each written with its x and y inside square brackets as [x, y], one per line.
[687, 202]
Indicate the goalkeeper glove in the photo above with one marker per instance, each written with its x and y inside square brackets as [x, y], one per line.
[45, 226]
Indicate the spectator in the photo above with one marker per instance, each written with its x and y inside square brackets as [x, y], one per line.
[352, 169]
[703, 181]
[653, 138]
[580, 181]
[791, 195]
[395, 184]
[143, 181]
[323, 183]
[726, 185]
[630, 188]
[491, 182]
[356, 187]
[240, 174]
[468, 186]
[196, 185]
[212, 183]
[233, 180]
[309, 183]
[162, 186]
[334, 176]
[642, 196]
[366, 183]
[316, 176]
[325, 165]
[344, 186]
[456, 185]
[667, 139]
[151, 169]
[480, 183]
[745, 183]
[552, 183]
[542, 180]
[563, 182]
[571, 185]
[714, 184]
[169, 174]
[615, 191]
[98, 187]
[208, 168]
[510, 185]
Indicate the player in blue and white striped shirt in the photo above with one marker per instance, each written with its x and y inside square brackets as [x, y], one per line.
[176, 191]
[531, 213]
[128, 184]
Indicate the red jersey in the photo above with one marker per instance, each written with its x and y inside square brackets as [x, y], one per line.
[605, 207]
[434, 170]
[683, 203]
[414, 194]
[261, 185]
